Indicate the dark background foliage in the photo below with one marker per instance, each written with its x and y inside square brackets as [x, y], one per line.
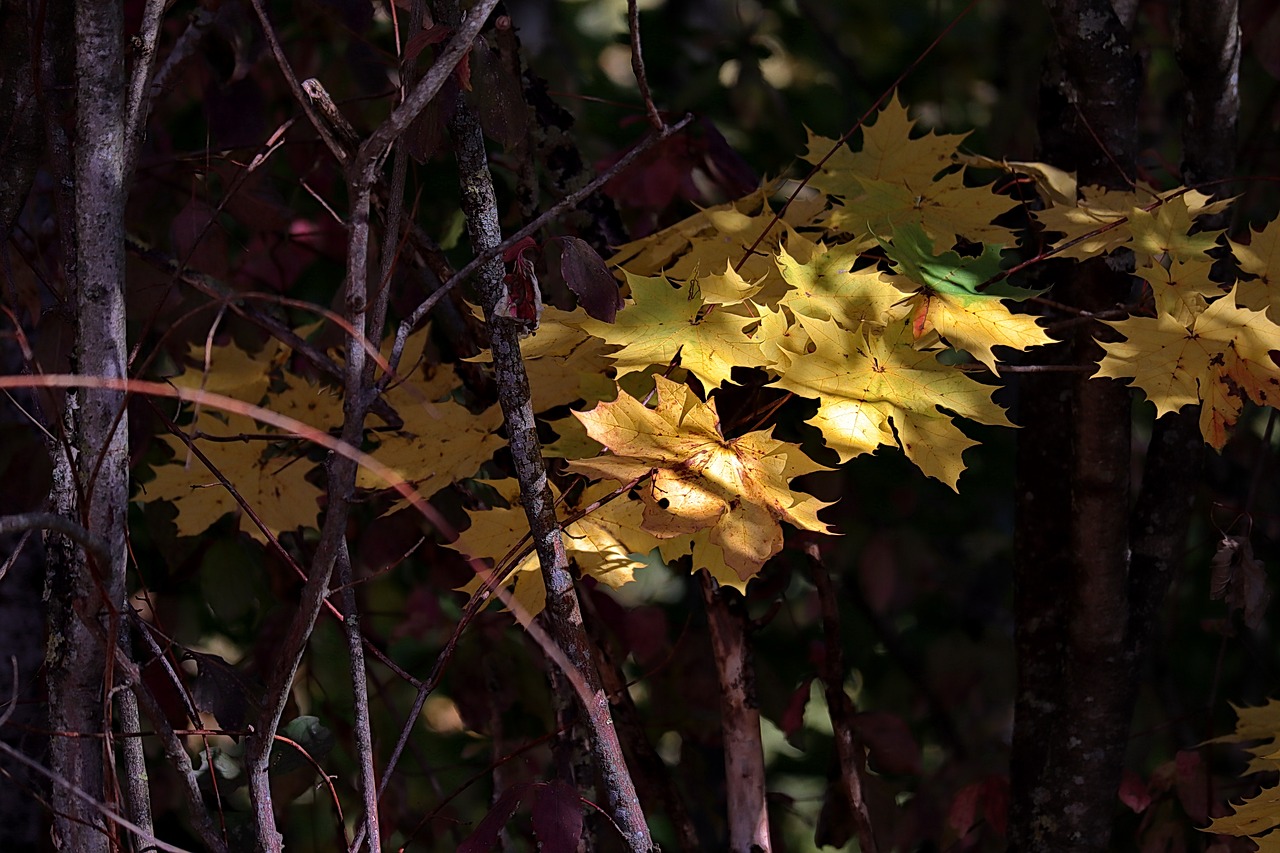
[924, 575]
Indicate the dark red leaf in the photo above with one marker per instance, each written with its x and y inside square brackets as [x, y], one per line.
[433, 34]
[426, 136]
[198, 239]
[462, 72]
[1134, 793]
[1260, 30]
[963, 813]
[523, 246]
[995, 803]
[1193, 785]
[557, 817]
[486, 832]
[891, 745]
[726, 166]
[521, 301]
[793, 716]
[587, 275]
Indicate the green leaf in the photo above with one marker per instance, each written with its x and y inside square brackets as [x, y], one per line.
[912, 251]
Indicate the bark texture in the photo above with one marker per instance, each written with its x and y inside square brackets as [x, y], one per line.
[93, 489]
[740, 721]
[1072, 562]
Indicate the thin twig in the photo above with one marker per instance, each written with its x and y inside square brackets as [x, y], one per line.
[360, 703]
[299, 94]
[849, 750]
[201, 21]
[58, 524]
[637, 66]
[555, 211]
[479, 204]
[740, 719]
[178, 757]
[138, 104]
[85, 798]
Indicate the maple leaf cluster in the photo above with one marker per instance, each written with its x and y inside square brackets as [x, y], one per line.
[876, 293]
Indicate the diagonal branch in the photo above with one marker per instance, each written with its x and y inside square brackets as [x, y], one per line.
[563, 616]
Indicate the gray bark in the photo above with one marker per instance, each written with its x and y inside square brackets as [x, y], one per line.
[85, 595]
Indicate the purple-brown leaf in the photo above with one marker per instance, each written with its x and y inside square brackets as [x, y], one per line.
[557, 816]
[589, 278]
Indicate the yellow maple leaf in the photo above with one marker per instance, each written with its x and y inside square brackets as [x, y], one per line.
[894, 181]
[1260, 257]
[704, 554]
[440, 440]
[738, 488]
[231, 370]
[1261, 813]
[274, 485]
[719, 237]
[870, 384]
[1165, 231]
[602, 543]
[975, 324]
[1219, 360]
[662, 319]
[563, 362]
[1183, 289]
[825, 288]
[1054, 185]
[1161, 230]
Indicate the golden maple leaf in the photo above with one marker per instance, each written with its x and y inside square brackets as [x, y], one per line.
[271, 477]
[1260, 257]
[563, 362]
[663, 319]
[276, 486]
[826, 288]
[602, 543]
[735, 488]
[1160, 230]
[1221, 358]
[1261, 813]
[1183, 289]
[871, 384]
[718, 237]
[894, 181]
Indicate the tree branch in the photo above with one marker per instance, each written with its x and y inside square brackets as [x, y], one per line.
[564, 619]
[740, 718]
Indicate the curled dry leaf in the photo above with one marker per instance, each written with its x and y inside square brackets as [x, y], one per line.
[1240, 579]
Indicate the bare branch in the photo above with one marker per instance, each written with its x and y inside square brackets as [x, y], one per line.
[80, 795]
[299, 95]
[376, 146]
[555, 211]
[637, 66]
[360, 695]
[138, 103]
[58, 524]
[850, 752]
[740, 717]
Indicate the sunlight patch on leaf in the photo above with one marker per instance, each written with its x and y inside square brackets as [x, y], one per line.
[738, 488]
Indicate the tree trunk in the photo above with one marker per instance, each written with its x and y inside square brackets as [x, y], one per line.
[1076, 657]
[85, 594]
